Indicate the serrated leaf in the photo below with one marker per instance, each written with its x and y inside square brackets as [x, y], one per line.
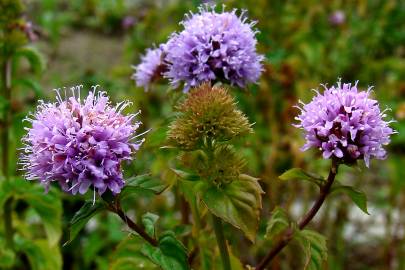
[34, 57]
[357, 196]
[315, 249]
[141, 185]
[40, 255]
[81, 217]
[299, 174]
[149, 221]
[169, 254]
[128, 256]
[278, 222]
[186, 175]
[238, 203]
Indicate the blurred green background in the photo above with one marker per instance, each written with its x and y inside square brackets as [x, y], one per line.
[96, 41]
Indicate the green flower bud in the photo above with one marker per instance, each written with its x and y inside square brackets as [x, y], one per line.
[219, 167]
[208, 114]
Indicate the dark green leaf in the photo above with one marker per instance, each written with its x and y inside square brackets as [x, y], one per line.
[299, 174]
[170, 253]
[277, 223]
[357, 196]
[315, 249]
[186, 175]
[128, 256]
[141, 185]
[149, 221]
[238, 203]
[81, 217]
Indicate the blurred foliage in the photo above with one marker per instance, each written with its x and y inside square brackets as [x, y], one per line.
[97, 41]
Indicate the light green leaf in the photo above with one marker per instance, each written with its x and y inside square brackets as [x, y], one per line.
[357, 196]
[47, 205]
[278, 222]
[169, 254]
[34, 57]
[238, 203]
[128, 256]
[299, 174]
[7, 257]
[314, 246]
[141, 185]
[149, 221]
[40, 255]
[30, 84]
[81, 217]
[186, 175]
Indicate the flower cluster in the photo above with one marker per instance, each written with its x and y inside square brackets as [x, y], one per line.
[150, 69]
[212, 47]
[346, 124]
[80, 144]
[207, 114]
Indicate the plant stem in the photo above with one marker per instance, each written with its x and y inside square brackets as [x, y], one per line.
[134, 226]
[288, 234]
[6, 74]
[223, 249]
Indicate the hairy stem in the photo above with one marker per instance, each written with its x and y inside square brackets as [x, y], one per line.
[223, 249]
[138, 229]
[288, 234]
[6, 76]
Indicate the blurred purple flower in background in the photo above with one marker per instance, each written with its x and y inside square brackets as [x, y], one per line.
[345, 123]
[80, 144]
[151, 68]
[213, 46]
[337, 18]
[128, 22]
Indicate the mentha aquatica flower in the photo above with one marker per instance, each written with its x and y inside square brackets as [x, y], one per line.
[346, 124]
[150, 69]
[213, 47]
[80, 144]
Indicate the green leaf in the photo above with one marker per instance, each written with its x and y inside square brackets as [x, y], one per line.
[149, 221]
[141, 185]
[186, 175]
[278, 222]
[128, 256]
[34, 57]
[299, 174]
[41, 255]
[238, 202]
[169, 254]
[315, 249]
[81, 217]
[31, 84]
[357, 196]
[47, 205]
[7, 257]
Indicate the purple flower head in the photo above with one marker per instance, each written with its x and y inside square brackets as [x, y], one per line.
[337, 18]
[151, 67]
[346, 124]
[80, 145]
[213, 46]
